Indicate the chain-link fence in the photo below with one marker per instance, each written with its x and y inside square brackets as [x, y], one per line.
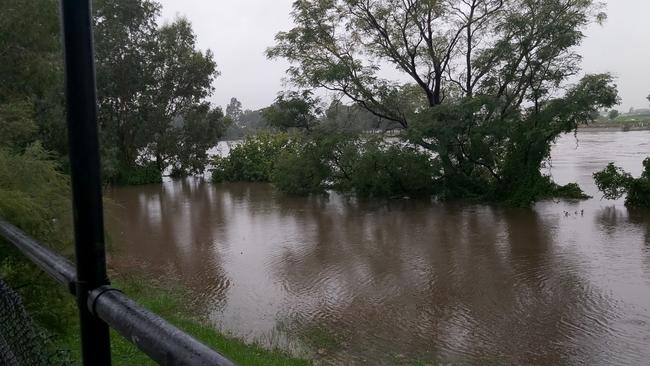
[22, 343]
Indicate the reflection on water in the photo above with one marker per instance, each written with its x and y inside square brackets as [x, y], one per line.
[565, 283]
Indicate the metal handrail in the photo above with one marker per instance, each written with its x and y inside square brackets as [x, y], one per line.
[55, 265]
[100, 306]
[159, 339]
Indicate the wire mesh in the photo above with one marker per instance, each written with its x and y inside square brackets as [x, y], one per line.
[22, 343]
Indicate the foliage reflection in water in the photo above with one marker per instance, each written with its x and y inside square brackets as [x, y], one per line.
[360, 282]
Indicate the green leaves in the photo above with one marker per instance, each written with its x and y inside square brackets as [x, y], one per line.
[17, 126]
[202, 126]
[31, 84]
[302, 164]
[298, 110]
[252, 160]
[614, 182]
[34, 195]
[151, 85]
[30, 56]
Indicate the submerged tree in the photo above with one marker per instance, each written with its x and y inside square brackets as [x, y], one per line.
[488, 92]
[614, 182]
[149, 77]
[197, 131]
[299, 110]
[181, 78]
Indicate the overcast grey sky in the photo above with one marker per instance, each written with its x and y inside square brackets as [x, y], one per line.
[239, 31]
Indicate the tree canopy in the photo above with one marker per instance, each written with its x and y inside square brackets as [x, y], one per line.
[299, 110]
[488, 84]
[31, 92]
[614, 182]
[151, 81]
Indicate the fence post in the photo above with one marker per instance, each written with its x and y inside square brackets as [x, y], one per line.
[81, 107]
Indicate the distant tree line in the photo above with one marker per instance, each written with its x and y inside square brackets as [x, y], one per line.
[301, 110]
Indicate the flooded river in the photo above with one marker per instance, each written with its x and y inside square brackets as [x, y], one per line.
[353, 282]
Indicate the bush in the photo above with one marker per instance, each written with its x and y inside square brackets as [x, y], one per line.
[388, 170]
[614, 182]
[310, 163]
[34, 196]
[252, 160]
[639, 193]
[301, 170]
[571, 191]
[321, 160]
[138, 175]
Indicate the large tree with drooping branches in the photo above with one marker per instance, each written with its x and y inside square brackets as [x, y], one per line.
[483, 83]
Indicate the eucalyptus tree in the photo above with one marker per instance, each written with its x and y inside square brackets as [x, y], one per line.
[487, 89]
[149, 77]
[124, 34]
[196, 131]
[180, 78]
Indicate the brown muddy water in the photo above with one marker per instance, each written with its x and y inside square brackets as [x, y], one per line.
[352, 282]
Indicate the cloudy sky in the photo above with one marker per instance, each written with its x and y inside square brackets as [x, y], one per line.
[239, 31]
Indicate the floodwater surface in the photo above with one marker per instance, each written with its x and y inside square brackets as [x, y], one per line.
[353, 282]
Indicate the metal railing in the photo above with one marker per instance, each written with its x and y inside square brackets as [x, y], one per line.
[100, 305]
[162, 341]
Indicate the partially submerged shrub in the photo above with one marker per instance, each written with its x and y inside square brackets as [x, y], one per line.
[371, 167]
[380, 169]
[250, 161]
[313, 162]
[321, 160]
[532, 188]
[301, 170]
[147, 173]
[614, 182]
[570, 191]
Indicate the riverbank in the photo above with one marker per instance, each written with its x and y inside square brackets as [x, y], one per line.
[170, 303]
[612, 128]
[168, 300]
[642, 125]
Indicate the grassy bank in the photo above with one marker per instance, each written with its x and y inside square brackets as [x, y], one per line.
[625, 122]
[34, 195]
[168, 304]
[54, 310]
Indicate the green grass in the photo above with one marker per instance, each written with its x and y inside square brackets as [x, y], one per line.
[167, 302]
[633, 118]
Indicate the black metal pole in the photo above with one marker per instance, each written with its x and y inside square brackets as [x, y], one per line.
[85, 173]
